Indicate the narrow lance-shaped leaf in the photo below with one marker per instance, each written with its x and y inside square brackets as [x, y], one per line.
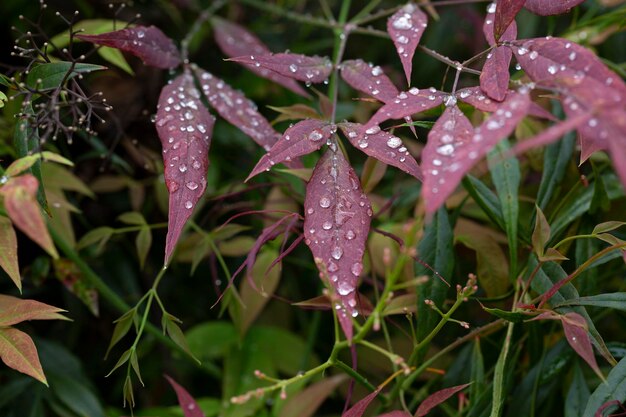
[437, 398]
[368, 79]
[553, 133]
[504, 16]
[18, 351]
[50, 75]
[383, 146]
[188, 405]
[494, 78]
[310, 69]
[551, 7]
[358, 409]
[474, 96]
[613, 391]
[300, 139]
[407, 103]
[184, 127]
[577, 335]
[406, 27]
[21, 204]
[14, 310]
[235, 40]
[148, 43]
[336, 225]
[237, 109]
[8, 251]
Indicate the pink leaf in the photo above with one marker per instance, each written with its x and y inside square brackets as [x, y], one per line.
[552, 133]
[551, 7]
[358, 409]
[368, 79]
[475, 97]
[184, 127]
[437, 398]
[407, 103]
[504, 17]
[452, 150]
[185, 400]
[494, 78]
[310, 69]
[336, 226]
[617, 146]
[383, 146]
[148, 43]
[237, 109]
[405, 27]
[577, 335]
[235, 40]
[300, 139]
[396, 413]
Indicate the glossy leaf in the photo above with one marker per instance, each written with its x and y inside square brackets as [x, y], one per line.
[18, 351]
[14, 310]
[148, 43]
[368, 79]
[406, 27]
[336, 226]
[21, 205]
[494, 78]
[237, 109]
[358, 409]
[577, 335]
[381, 145]
[475, 97]
[184, 127]
[310, 69]
[614, 389]
[8, 251]
[188, 404]
[437, 398]
[235, 40]
[406, 104]
[553, 133]
[49, 76]
[504, 16]
[307, 402]
[551, 7]
[300, 139]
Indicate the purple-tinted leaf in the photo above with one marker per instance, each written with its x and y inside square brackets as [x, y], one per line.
[184, 127]
[235, 40]
[577, 335]
[552, 133]
[336, 225]
[383, 146]
[310, 69]
[405, 27]
[453, 149]
[617, 146]
[475, 97]
[437, 398]
[368, 79]
[358, 409]
[551, 7]
[408, 103]
[148, 43]
[185, 400]
[300, 139]
[504, 17]
[494, 78]
[237, 109]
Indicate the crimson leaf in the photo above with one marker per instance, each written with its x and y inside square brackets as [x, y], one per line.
[235, 40]
[474, 97]
[551, 7]
[494, 78]
[358, 409]
[237, 109]
[437, 398]
[368, 79]
[577, 335]
[185, 400]
[383, 146]
[407, 103]
[300, 139]
[405, 27]
[336, 225]
[148, 43]
[504, 18]
[310, 69]
[184, 127]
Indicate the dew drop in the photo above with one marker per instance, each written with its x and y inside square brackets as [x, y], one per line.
[344, 288]
[491, 8]
[192, 185]
[403, 23]
[315, 135]
[350, 234]
[324, 202]
[327, 226]
[414, 91]
[552, 69]
[188, 204]
[393, 142]
[182, 168]
[356, 269]
[376, 71]
[293, 68]
[445, 150]
[337, 253]
[332, 267]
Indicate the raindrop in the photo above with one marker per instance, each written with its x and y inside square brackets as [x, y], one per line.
[350, 234]
[356, 269]
[324, 202]
[344, 288]
[188, 204]
[293, 68]
[315, 135]
[552, 69]
[327, 225]
[332, 267]
[182, 167]
[533, 55]
[337, 253]
[373, 130]
[393, 142]
[491, 8]
[191, 185]
[403, 23]
[376, 71]
[414, 91]
[445, 150]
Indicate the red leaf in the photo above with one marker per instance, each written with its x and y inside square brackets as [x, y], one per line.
[553, 133]
[551, 7]
[148, 43]
[504, 17]
[617, 145]
[184, 127]
[407, 103]
[451, 150]
[20, 202]
[187, 403]
[14, 310]
[475, 97]
[358, 409]
[396, 413]
[235, 40]
[494, 78]
[18, 351]
[577, 335]
[237, 109]
[437, 398]
[405, 27]
[300, 139]
[368, 79]
[383, 146]
[310, 69]
[8, 251]
[336, 226]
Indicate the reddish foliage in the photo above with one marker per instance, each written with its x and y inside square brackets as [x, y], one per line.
[551, 7]
[310, 69]
[504, 17]
[358, 409]
[185, 400]
[406, 27]
[407, 103]
[437, 398]
[368, 79]
[494, 78]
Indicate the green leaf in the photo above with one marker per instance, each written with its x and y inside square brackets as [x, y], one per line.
[24, 163]
[127, 390]
[607, 227]
[513, 317]
[552, 255]
[577, 394]
[122, 326]
[49, 76]
[18, 351]
[212, 339]
[132, 218]
[114, 56]
[8, 251]
[485, 198]
[176, 334]
[541, 232]
[100, 234]
[135, 365]
[492, 268]
[143, 243]
[600, 200]
[556, 158]
[506, 177]
[613, 390]
[477, 369]
[75, 395]
[3, 98]
[616, 300]
[121, 361]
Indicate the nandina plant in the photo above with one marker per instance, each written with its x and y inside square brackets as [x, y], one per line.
[485, 331]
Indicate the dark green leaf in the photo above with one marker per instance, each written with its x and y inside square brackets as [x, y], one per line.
[616, 300]
[122, 326]
[485, 198]
[613, 389]
[50, 75]
[556, 157]
[514, 317]
[577, 394]
[541, 233]
[176, 334]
